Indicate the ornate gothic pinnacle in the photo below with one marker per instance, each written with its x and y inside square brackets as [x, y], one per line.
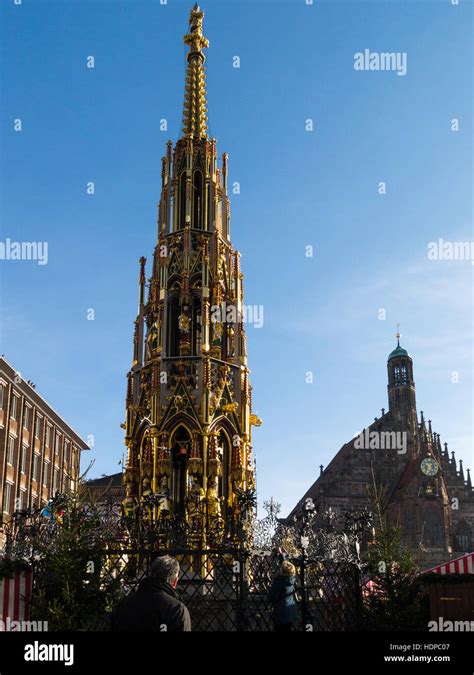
[129, 389]
[461, 471]
[195, 104]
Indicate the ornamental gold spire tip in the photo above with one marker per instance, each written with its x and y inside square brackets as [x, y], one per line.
[195, 104]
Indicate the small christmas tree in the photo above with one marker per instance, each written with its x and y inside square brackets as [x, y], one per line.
[66, 544]
[395, 600]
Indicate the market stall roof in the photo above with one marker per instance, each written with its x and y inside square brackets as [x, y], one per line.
[462, 565]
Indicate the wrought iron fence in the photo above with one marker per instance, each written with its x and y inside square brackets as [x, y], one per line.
[228, 590]
[225, 584]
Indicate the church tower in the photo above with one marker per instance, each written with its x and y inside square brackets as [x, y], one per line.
[188, 424]
[419, 500]
[401, 392]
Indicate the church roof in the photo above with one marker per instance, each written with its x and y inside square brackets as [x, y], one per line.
[334, 468]
[105, 481]
[398, 351]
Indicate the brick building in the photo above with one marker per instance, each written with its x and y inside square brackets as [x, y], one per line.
[39, 452]
[107, 489]
[426, 491]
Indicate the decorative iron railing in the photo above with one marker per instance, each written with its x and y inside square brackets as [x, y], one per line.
[226, 570]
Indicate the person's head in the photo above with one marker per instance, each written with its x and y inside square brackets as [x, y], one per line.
[165, 568]
[288, 569]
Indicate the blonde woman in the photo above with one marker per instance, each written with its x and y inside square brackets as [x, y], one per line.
[283, 597]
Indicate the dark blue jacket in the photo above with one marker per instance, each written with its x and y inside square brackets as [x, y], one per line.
[282, 597]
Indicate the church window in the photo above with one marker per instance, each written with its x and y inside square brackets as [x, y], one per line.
[432, 528]
[463, 537]
[409, 526]
[403, 375]
[396, 375]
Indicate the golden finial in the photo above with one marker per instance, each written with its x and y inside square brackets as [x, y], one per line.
[195, 105]
[398, 335]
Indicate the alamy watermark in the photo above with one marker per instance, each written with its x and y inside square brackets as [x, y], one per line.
[24, 250]
[38, 651]
[394, 61]
[444, 626]
[451, 250]
[382, 440]
[9, 625]
[230, 313]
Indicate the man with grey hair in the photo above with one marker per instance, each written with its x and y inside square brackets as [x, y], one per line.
[155, 605]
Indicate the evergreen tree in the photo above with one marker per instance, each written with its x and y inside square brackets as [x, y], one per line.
[396, 600]
[67, 545]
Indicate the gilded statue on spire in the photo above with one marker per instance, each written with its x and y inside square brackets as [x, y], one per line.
[195, 104]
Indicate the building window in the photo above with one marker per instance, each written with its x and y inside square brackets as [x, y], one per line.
[14, 409]
[7, 498]
[22, 502]
[2, 395]
[11, 450]
[38, 427]
[75, 461]
[46, 473]
[56, 444]
[23, 459]
[35, 466]
[55, 479]
[48, 436]
[26, 417]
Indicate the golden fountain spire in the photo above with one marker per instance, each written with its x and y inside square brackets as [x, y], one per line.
[195, 105]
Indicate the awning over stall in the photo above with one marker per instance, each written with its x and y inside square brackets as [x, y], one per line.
[462, 565]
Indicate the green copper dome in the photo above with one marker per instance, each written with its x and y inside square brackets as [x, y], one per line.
[398, 351]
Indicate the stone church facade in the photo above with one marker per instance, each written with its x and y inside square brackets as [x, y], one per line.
[425, 490]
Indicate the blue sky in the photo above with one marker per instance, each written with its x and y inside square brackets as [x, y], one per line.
[298, 188]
